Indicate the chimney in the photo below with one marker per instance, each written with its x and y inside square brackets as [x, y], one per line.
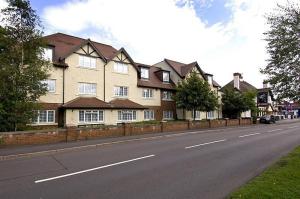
[236, 80]
[265, 84]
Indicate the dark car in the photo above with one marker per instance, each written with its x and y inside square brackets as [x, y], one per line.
[267, 119]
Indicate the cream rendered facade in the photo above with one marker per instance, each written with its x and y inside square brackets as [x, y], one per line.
[105, 84]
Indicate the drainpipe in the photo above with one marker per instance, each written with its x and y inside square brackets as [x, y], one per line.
[104, 82]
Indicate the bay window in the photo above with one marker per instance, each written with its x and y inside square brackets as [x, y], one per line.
[127, 115]
[91, 116]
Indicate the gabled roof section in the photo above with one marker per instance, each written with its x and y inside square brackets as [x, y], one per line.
[183, 69]
[65, 44]
[84, 43]
[122, 50]
[215, 84]
[244, 86]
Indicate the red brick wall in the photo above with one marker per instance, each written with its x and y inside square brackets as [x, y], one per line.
[74, 133]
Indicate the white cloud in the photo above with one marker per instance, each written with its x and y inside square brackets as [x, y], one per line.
[3, 4]
[156, 29]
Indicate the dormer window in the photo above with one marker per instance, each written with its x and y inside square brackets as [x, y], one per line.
[144, 73]
[48, 54]
[166, 77]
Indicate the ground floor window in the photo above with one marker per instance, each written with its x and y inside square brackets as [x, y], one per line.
[167, 115]
[197, 114]
[148, 115]
[126, 115]
[45, 116]
[89, 116]
[210, 114]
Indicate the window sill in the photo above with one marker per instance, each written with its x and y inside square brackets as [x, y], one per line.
[169, 100]
[89, 123]
[94, 95]
[120, 73]
[43, 124]
[94, 69]
[122, 97]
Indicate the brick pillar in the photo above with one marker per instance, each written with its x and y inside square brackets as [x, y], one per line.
[162, 126]
[226, 122]
[127, 129]
[71, 133]
[189, 124]
[240, 121]
[209, 123]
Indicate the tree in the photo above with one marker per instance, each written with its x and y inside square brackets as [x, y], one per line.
[22, 66]
[194, 94]
[235, 102]
[283, 47]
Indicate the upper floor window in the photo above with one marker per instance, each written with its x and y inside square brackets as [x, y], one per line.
[166, 77]
[145, 73]
[147, 93]
[87, 62]
[45, 116]
[50, 85]
[48, 54]
[121, 91]
[89, 116]
[167, 95]
[120, 67]
[87, 88]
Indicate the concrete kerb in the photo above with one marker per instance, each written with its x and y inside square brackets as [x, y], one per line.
[77, 148]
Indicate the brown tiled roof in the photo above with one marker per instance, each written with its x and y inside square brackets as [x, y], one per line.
[125, 104]
[244, 86]
[86, 102]
[65, 44]
[216, 84]
[183, 69]
[154, 81]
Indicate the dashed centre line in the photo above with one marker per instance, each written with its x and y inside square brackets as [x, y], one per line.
[189, 147]
[274, 130]
[249, 135]
[93, 169]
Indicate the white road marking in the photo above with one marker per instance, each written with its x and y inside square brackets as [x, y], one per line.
[274, 130]
[188, 147]
[249, 135]
[93, 169]
[291, 127]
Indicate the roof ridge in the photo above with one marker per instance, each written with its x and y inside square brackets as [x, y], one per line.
[79, 38]
[175, 61]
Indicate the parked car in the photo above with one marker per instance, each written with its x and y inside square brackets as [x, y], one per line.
[267, 119]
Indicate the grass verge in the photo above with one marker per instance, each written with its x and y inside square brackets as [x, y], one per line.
[281, 180]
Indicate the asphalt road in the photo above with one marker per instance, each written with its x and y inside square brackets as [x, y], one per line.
[207, 164]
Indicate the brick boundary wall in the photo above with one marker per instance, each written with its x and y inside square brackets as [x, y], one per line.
[126, 129]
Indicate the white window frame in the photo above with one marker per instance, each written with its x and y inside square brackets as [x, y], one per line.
[127, 117]
[47, 83]
[168, 75]
[84, 120]
[211, 115]
[87, 61]
[120, 91]
[121, 68]
[37, 120]
[168, 115]
[147, 93]
[145, 74]
[167, 96]
[198, 114]
[83, 88]
[48, 54]
[149, 115]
